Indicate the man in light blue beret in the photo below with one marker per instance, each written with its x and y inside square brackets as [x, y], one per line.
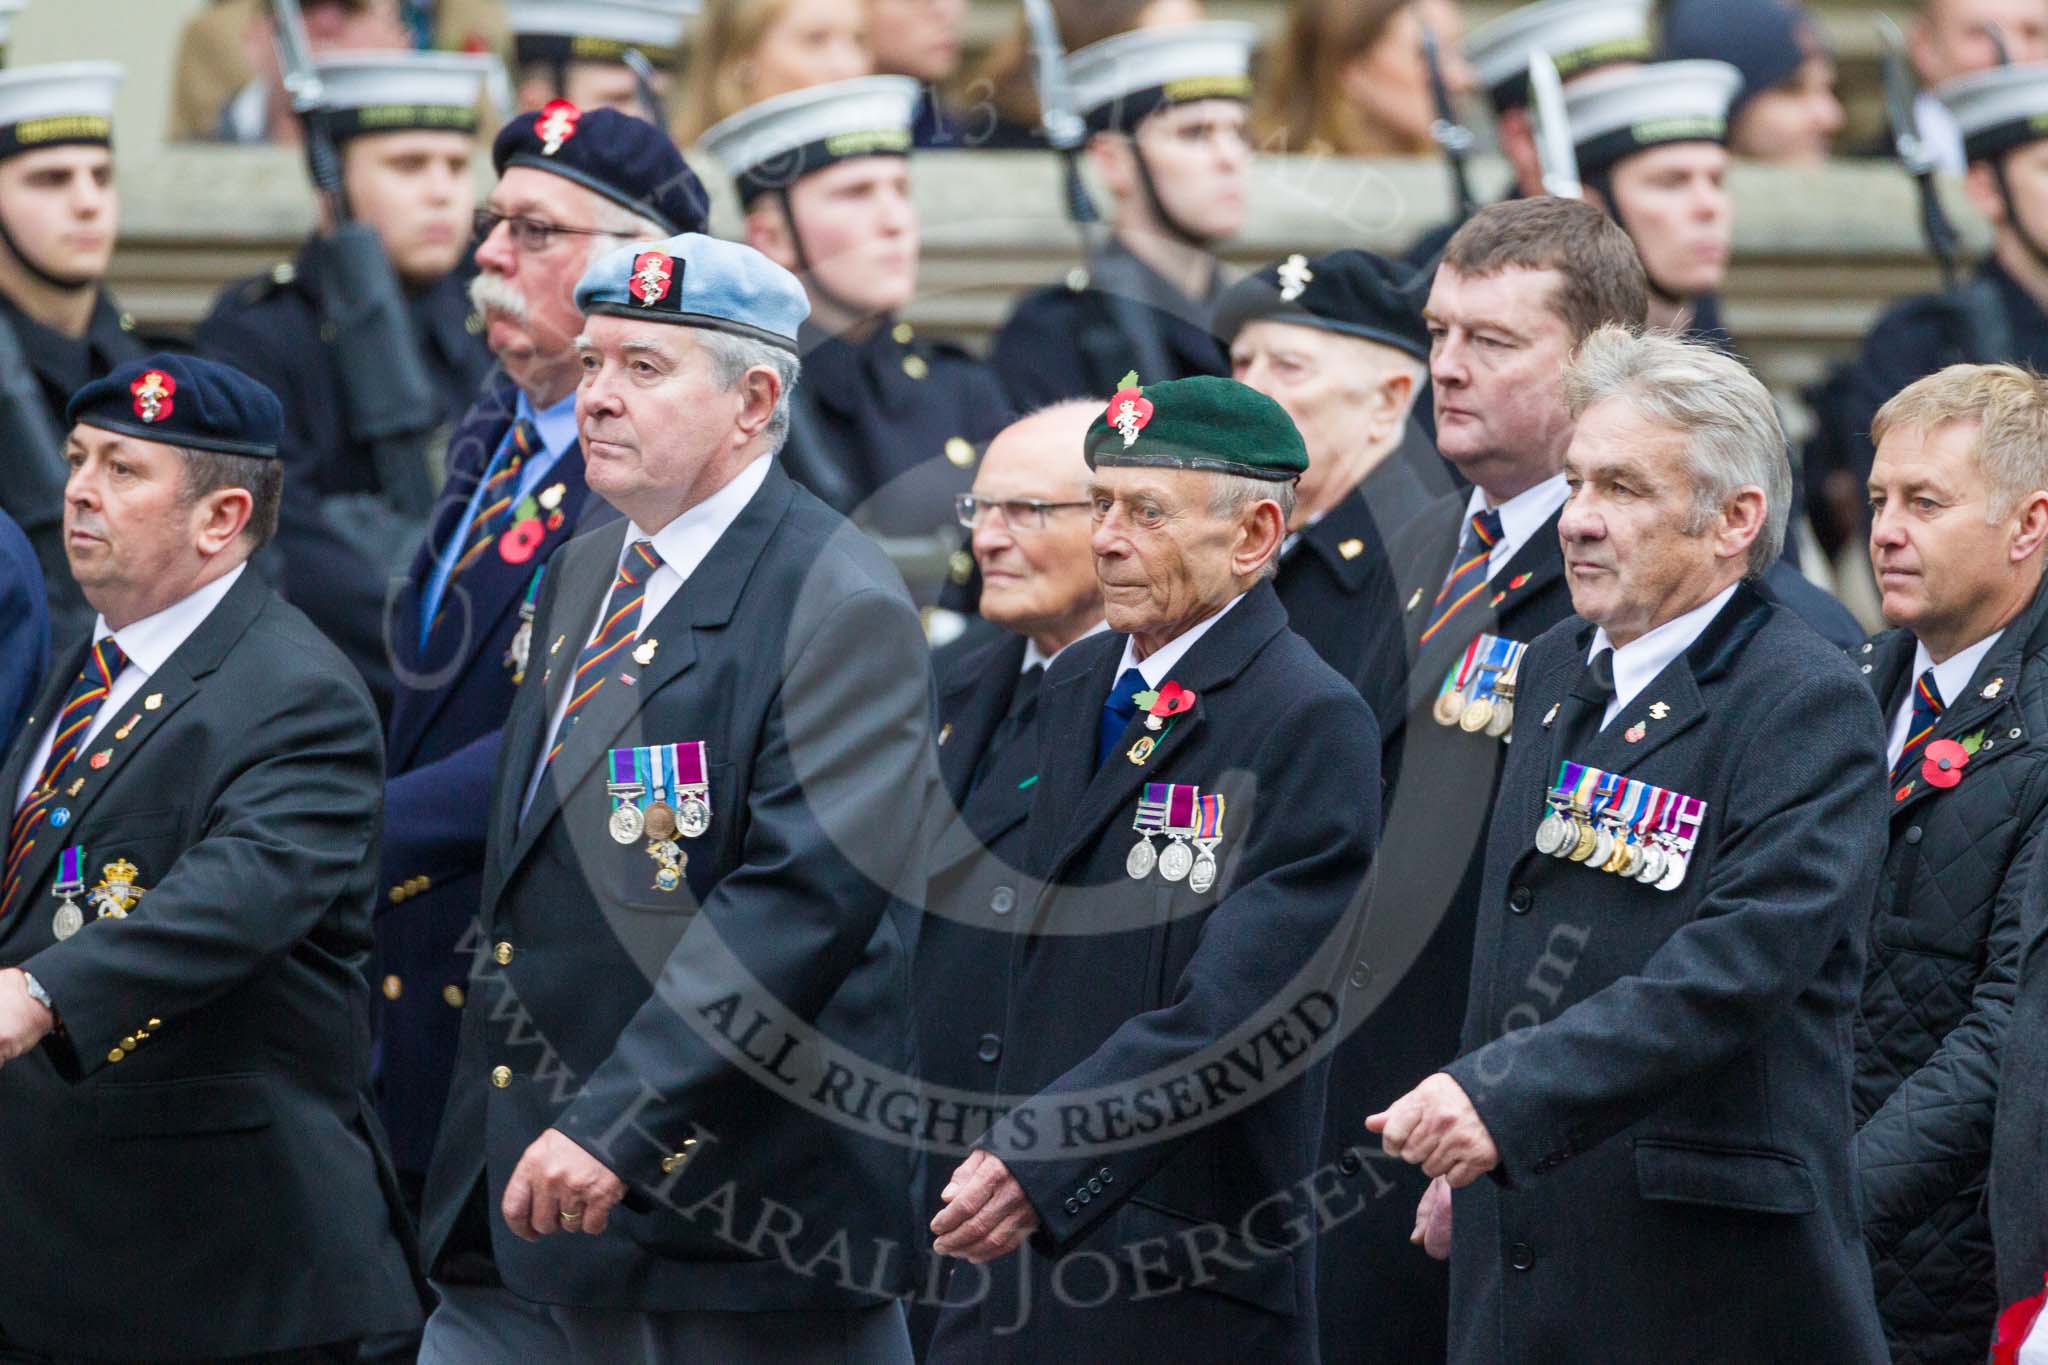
[671, 1133]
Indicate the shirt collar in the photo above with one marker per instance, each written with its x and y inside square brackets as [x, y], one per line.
[1034, 657]
[685, 541]
[556, 423]
[1521, 516]
[1155, 668]
[1639, 661]
[1952, 675]
[149, 643]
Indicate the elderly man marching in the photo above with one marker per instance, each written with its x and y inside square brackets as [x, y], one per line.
[1678, 878]
[1201, 836]
[711, 787]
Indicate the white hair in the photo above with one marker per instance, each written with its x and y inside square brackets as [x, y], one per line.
[733, 355]
[1231, 494]
[1733, 437]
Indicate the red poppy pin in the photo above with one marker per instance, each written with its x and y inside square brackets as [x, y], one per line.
[153, 390]
[556, 125]
[652, 272]
[1129, 410]
[1943, 762]
[1517, 581]
[1170, 700]
[517, 545]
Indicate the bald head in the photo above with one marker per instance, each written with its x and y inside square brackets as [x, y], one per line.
[1037, 572]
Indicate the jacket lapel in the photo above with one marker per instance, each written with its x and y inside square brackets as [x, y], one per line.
[1998, 716]
[973, 700]
[1343, 540]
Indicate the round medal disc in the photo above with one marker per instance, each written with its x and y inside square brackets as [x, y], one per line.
[660, 822]
[1503, 719]
[1476, 716]
[69, 920]
[1653, 864]
[1603, 849]
[1550, 834]
[694, 817]
[1582, 850]
[1176, 862]
[1618, 859]
[1202, 875]
[1447, 708]
[667, 877]
[626, 823]
[1140, 861]
[1674, 874]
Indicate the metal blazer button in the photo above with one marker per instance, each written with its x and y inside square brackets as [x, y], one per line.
[990, 1049]
[1521, 1256]
[1520, 899]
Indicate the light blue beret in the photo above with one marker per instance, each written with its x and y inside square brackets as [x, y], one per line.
[698, 281]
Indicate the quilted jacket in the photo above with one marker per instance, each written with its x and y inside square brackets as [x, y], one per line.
[1938, 992]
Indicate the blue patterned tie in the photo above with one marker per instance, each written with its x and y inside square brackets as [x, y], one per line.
[1927, 708]
[1117, 713]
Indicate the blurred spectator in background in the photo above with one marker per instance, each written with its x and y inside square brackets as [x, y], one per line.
[921, 39]
[1785, 109]
[577, 52]
[1348, 78]
[1951, 38]
[750, 50]
[1006, 111]
[24, 630]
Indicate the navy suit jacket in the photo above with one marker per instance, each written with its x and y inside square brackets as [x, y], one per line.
[24, 629]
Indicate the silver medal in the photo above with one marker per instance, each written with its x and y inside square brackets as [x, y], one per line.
[1550, 835]
[626, 823]
[693, 817]
[1202, 875]
[1176, 862]
[1652, 866]
[1674, 873]
[1603, 848]
[1142, 858]
[69, 920]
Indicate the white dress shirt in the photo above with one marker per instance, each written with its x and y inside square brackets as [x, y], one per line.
[1034, 657]
[1521, 517]
[1637, 663]
[1951, 676]
[1155, 668]
[681, 546]
[148, 645]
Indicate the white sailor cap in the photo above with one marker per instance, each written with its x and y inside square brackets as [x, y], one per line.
[1614, 114]
[8, 9]
[402, 92]
[597, 30]
[52, 106]
[773, 144]
[1999, 109]
[1120, 81]
[1577, 36]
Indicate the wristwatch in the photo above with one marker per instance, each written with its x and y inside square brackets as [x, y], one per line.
[38, 994]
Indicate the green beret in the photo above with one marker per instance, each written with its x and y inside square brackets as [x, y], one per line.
[1205, 423]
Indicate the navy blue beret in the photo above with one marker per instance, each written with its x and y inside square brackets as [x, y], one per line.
[183, 400]
[627, 160]
[1353, 292]
[1766, 40]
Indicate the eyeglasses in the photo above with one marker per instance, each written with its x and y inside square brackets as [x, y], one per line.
[529, 234]
[1022, 514]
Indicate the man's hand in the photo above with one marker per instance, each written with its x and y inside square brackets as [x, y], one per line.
[1433, 1220]
[1434, 1126]
[986, 1214]
[559, 1187]
[24, 1022]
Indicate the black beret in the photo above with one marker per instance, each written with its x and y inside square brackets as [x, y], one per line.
[1353, 292]
[627, 160]
[183, 400]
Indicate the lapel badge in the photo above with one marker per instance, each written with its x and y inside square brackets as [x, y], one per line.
[152, 701]
[644, 655]
[101, 759]
[77, 786]
[1993, 688]
[551, 497]
[1550, 715]
[127, 726]
[1351, 549]
[556, 647]
[945, 732]
[1498, 598]
[1415, 601]
[1658, 710]
[1517, 581]
[1634, 734]
[629, 679]
[1170, 700]
[1903, 792]
[1142, 750]
[60, 817]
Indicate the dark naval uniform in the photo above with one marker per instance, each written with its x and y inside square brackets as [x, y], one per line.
[1667, 1073]
[440, 749]
[1079, 339]
[1150, 975]
[61, 366]
[270, 327]
[1339, 592]
[888, 429]
[1381, 1299]
[24, 629]
[794, 658]
[198, 1132]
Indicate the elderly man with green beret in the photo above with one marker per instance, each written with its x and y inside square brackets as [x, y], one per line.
[1205, 811]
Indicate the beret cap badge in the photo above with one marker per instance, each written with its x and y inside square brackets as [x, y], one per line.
[557, 125]
[153, 390]
[652, 272]
[1129, 409]
[1295, 277]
